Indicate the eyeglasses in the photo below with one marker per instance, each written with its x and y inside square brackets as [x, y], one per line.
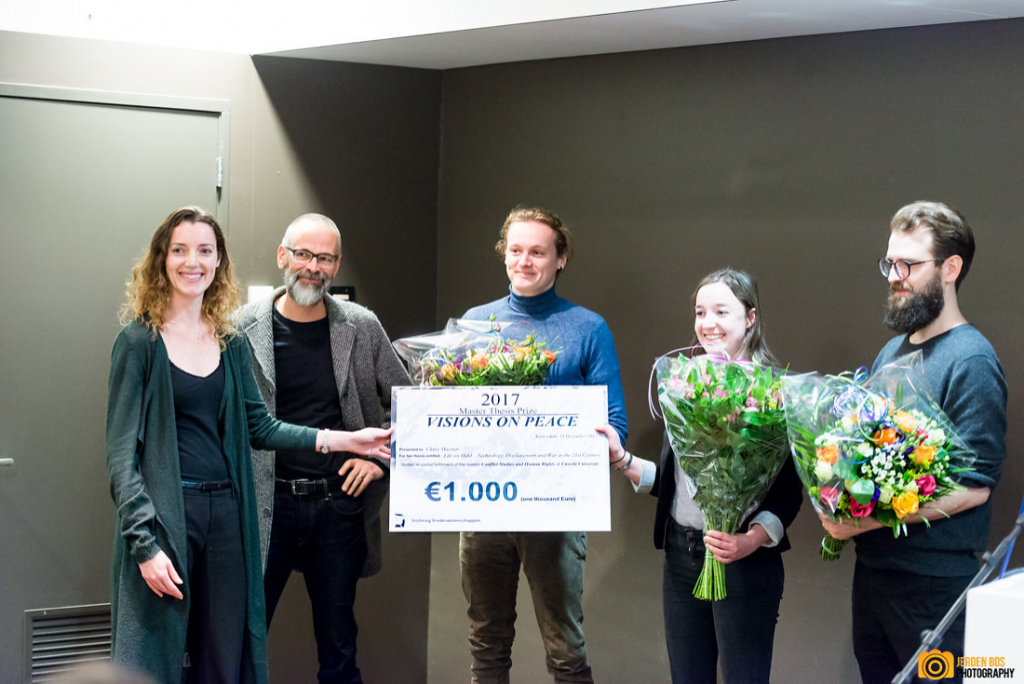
[304, 256]
[902, 266]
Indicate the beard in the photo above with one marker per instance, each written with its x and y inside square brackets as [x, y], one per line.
[914, 311]
[305, 294]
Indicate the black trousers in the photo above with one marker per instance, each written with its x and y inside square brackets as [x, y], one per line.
[325, 538]
[738, 632]
[890, 610]
[217, 587]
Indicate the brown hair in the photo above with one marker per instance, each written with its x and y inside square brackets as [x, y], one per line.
[951, 234]
[563, 238]
[744, 287]
[149, 290]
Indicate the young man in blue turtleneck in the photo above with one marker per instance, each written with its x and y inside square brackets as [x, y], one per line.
[536, 246]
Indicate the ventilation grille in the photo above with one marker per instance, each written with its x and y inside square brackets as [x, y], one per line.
[58, 640]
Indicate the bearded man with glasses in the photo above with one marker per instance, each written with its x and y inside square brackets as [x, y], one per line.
[325, 363]
[904, 586]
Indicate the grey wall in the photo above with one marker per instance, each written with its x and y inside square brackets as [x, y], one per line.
[786, 158]
[357, 143]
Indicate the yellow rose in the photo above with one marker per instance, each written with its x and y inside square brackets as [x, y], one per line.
[905, 504]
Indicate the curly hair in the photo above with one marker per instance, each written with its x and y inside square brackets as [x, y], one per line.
[149, 290]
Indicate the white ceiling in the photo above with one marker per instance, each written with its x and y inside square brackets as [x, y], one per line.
[445, 34]
[720, 22]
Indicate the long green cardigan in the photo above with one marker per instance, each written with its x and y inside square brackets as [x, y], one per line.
[145, 482]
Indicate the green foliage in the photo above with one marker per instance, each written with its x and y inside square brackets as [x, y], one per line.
[728, 430]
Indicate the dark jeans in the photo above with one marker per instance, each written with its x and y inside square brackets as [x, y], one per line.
[890, 610]
[739, 630]
[323, 537]
[216, 587]
[553, 563]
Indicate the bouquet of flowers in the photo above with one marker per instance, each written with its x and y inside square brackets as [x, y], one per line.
[728, 430]
[475, 353]
[871, 446]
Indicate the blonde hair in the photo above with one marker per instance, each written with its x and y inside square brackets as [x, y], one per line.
[149, 291]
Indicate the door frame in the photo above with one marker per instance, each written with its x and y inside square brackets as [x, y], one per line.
[221, 108]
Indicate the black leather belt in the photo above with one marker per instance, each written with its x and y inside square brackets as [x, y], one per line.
[206, 486]
[325, 485]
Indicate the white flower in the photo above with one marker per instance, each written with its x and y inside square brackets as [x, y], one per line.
[864, 449]
[823, 471]
[936, 437]
[885, 495]
[911, 487]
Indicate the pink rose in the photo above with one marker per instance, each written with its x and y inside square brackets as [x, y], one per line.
[751, 403]
[926, 485]
[830, 497]
[858, 511]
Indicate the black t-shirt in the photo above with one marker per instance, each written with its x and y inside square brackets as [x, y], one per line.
[306, 393]
[196, 415]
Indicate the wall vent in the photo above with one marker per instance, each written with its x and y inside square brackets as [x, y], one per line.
[58, 640]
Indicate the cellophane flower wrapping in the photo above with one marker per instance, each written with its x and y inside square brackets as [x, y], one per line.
[476, 353]
[726, 426]
[872, 445]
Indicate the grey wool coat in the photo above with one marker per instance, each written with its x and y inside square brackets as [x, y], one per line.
[145, 483]
[365, 369]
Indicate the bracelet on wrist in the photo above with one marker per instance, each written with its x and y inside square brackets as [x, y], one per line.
[628, 463]
[620, 459]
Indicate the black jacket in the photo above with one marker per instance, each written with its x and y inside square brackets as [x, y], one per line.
[783, 498]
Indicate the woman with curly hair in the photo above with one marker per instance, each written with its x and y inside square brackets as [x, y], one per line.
[183, 409]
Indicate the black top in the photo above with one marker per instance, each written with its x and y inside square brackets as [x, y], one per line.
[197, 403]
[783, 499]
[307, 393]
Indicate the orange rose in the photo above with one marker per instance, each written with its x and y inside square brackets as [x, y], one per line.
[548, 354]
[905, 421]
[905, 504]
[923, 455]
[448, 371]
[886, 436]
[479, 361]
[520, 353]
[828, 453]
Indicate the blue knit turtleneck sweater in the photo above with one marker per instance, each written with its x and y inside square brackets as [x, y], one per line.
[586, 349]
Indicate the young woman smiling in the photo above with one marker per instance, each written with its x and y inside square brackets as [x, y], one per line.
[737, 632]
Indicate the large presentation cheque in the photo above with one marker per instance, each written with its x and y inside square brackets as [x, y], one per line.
[499, 459]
